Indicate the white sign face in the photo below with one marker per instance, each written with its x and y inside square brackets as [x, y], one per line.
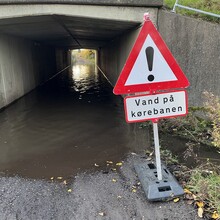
[160, 70]
[149, 107]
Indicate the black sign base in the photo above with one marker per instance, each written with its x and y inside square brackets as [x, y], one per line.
[157, 190]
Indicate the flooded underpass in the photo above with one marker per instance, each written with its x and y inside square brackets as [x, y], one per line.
[67, 125]
[62, 128]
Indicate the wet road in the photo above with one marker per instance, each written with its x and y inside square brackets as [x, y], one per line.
[67, 125]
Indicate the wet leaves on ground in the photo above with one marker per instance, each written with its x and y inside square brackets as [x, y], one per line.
[176, 200]
[215, 215]
[114, 180]
[101, 213]
[200, 212]
[119, 164]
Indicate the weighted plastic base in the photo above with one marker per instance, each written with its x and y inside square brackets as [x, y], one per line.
[154, 189]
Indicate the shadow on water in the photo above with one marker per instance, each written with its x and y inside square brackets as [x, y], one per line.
[67, 125]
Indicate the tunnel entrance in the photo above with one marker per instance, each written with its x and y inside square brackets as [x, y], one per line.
[35, 48]
[73, 120]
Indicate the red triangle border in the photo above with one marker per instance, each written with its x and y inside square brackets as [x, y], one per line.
[181, 82]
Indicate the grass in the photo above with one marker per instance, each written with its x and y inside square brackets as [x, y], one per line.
[212, 6]
[204, 183]
[201, 184]
[202, 124]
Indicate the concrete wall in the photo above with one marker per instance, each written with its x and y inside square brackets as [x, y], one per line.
[63, 59]
[196, 46]
[112, 58]
[114, 55]
[24, 65]
[88, 2]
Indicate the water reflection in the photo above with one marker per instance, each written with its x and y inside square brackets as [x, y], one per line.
[71, 123]
[83, 80]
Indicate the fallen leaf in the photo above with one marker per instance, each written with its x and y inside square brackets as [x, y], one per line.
[96, 165]
[114, 180]
[109, 162]
[119, 164]
[139, 183]
[194, 196]
[134, 190]
[147, 152]
[151, 153]
[149, 159]
[101, 213]
[119, 197]
[176, 200]
[187, 191]
[200, 212]
[200, 204]
[215, 215]
[113, 169]
[69, 190]
[133, 153]
[65, 182]
[52, 178]
[59, 177]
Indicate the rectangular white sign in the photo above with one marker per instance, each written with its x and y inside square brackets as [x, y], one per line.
[149, 107]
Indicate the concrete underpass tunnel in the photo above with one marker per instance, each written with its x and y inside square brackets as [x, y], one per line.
[34, 48]
[66, 129]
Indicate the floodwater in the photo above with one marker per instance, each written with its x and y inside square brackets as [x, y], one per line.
[71, 123]
[188, 152]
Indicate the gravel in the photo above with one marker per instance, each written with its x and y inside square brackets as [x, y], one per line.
[89, 195]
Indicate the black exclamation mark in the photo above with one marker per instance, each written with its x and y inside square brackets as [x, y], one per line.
[150, 57]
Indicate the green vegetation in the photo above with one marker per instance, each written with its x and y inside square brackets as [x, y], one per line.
[202, 124]
[201, 184]
[212, 106]
[204, 183]
[83, 56]
[212, 6]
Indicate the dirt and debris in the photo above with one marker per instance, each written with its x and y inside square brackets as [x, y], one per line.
[88, 195]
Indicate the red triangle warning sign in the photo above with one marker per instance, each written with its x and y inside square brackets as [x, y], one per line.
[150, 65]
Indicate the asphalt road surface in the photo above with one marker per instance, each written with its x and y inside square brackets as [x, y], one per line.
[96, 194]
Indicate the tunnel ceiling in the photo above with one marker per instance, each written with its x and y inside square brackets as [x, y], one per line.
[66, 31]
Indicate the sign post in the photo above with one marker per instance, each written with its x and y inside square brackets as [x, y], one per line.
[151, 68]
[157, 150]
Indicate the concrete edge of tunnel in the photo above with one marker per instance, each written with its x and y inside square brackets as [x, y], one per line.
[137, 3]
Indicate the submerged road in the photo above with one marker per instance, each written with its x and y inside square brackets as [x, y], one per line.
[49, 138]
[67, 125]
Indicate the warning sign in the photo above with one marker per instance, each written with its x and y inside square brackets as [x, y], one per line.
[150, 65]
[149, 107]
